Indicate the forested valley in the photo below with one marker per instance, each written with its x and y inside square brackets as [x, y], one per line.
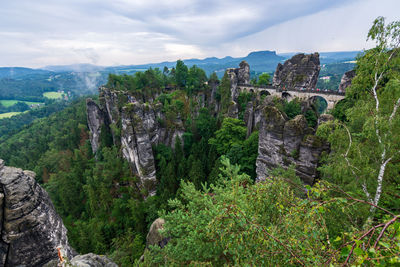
[217, 209]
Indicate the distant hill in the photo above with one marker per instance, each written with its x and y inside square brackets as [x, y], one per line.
[18, 72]
[29, 84]
[260, 61]
[74, 68]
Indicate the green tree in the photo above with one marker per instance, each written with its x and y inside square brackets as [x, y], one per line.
[264, 79]
[232, 132]
[224, 93]
[236, 223]
[196, 80]
[366, 147]
[181, 74]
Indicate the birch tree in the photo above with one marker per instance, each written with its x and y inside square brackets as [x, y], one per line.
[365, 149]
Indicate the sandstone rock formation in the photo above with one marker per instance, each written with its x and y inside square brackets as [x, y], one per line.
[31, 230]
[136, 124]
[95, 121]
[283, 142]
[300, 72]
[237, 76]
[154, 237]
[346, 80]
[92, 260]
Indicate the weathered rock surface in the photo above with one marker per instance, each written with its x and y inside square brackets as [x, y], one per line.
[300, 72]
[237, 76]
[136, 145]
[346, 80]
[92, 260]
[136, 124]
[154, 237]
[31, 230]
[283, 142]
[95, 121]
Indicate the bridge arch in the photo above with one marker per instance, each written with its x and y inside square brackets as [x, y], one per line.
[320, 103]
[287, 96]
[264, 93]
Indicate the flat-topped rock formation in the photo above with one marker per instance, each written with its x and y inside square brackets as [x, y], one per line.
[300, 72]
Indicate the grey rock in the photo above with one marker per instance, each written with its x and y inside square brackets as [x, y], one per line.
[300, 72]
[346, 80]
[136, 146]
[243, 73]
[154, 237]
[283, 142]
[31, 230]
[325, 118]
[95, 122]
[92, 260]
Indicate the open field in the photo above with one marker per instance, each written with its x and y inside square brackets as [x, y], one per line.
[9, 103]
[8, 114]
[53, 95]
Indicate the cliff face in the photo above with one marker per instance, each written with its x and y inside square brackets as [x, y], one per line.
[136, 124]
[95, 120]
[346, 80]
[31, 230]
[283, 142]
[300, 72]
[32, 233]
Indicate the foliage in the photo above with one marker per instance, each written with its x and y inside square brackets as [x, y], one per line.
[264, 79]
[243, 99]
[366, 148]
[292, 108]
[232, 131]
[224, 93]
[181, 74]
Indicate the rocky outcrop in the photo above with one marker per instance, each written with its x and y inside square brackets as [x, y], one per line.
[154, 237]
[300, 72]
[240, 75]
[136, 145]
[95, 120]
[31, 230]
[92, 260]
[283, 142]
[32, 233]
[136, 123]
[237, 76]
[346, 80]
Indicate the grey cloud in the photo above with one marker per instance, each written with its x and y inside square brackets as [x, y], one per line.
[44, 32]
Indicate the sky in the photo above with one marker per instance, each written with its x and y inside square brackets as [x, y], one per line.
[124, 32]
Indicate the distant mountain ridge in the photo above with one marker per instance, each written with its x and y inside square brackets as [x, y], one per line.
[259, 61]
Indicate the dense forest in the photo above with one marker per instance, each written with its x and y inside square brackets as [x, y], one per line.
[215, 213]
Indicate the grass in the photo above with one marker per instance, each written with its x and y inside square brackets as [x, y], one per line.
[9, 103]
[8, 114]
[53, 95]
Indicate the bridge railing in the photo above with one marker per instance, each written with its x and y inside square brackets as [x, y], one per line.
[278, 89]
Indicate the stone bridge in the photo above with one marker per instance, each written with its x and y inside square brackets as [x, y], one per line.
[331, 97]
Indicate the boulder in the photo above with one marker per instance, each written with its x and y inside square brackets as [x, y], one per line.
[92, 260]
[154, 237]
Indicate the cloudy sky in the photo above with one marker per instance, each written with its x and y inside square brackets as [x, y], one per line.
[119, 32]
